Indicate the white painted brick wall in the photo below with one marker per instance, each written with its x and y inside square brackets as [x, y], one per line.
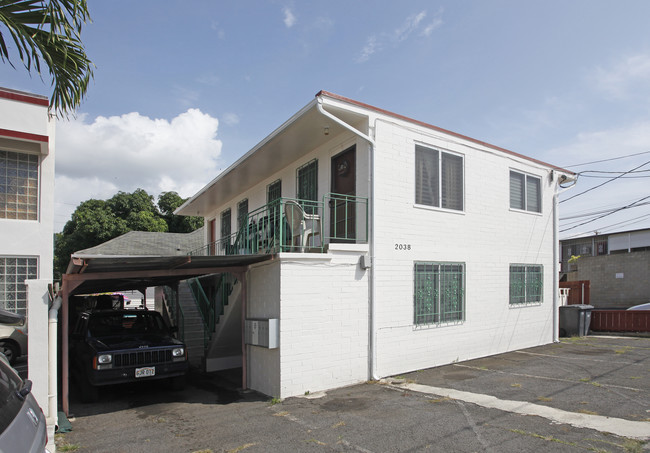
[487, 237]
[324, 322]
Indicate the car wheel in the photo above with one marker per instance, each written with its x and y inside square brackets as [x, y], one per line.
[9, 350]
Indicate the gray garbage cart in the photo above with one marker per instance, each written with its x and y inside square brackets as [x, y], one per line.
[575, 320]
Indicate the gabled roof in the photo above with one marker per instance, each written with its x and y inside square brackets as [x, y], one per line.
[145, 243]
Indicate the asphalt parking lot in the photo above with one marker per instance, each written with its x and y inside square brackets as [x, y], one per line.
[582, 394]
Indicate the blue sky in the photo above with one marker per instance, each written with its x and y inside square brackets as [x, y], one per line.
[564, 82]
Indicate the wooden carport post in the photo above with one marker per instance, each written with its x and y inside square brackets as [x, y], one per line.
[66, 288]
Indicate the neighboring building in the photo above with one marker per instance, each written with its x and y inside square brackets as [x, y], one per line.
[395, 245]
[27, 223]
[617, 266]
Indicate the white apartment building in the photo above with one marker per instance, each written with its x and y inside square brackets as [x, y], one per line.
[392, 245]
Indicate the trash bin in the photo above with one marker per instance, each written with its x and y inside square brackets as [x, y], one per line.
[575, 320]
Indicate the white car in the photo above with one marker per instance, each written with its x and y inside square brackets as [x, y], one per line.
[641, 307]
[13, 335]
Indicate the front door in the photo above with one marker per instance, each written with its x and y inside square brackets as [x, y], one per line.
[343, 209]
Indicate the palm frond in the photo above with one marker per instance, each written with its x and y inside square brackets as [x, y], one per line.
[50, 31]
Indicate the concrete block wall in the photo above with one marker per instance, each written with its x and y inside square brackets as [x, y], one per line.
[324, 321]
[616, 281]
[487, 236]
[263, 365]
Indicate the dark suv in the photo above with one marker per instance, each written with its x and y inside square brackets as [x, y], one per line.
[119, 346]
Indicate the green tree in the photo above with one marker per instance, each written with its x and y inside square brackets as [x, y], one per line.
[49, 32]
[168, 202]
[97, 221]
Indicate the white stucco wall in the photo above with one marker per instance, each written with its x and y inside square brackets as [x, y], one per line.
[488, 236]
[33, 238]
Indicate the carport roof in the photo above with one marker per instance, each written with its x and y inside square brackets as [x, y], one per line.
[96, 273]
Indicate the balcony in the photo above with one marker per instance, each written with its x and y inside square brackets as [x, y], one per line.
[294, 225]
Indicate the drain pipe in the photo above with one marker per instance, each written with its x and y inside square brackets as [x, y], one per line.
[556, 255]
[371, 285]
[52, 395]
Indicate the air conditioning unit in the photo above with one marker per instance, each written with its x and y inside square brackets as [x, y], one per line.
[262, 332]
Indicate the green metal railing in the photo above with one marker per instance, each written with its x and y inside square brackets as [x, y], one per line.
[206, 308]
[211, 305]
[175, 310]
[295, 225]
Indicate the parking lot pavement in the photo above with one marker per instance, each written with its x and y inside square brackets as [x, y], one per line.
[589, 376]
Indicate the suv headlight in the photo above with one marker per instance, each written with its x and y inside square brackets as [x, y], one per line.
[178, 354]
[103, 361]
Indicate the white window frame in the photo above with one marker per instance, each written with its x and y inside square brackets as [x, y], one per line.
[21, 199]
[524, 188]
[420, 147]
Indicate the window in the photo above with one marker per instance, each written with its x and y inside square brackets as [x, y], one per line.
[242, 213]
[274, 191]
[18, 186]
[526, 283]
[13, 273]
[438, 178]
[225, 223]
[439, 292]
[525, 192]
[307, 180]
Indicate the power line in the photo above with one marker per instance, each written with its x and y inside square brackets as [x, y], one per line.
[593, 213]
[606, 182]
[606, 160]
[605, 215]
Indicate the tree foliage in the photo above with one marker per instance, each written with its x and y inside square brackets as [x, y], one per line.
[49, 32]
[97, 221]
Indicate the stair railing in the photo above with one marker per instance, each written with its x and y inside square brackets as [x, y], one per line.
[174, 310]
[206, 308]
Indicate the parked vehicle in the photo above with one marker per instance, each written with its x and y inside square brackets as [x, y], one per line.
[22, 423]
[13, 336]
[641, 307]
[120, 346]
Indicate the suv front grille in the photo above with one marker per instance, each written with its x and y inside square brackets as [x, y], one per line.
[140, 358]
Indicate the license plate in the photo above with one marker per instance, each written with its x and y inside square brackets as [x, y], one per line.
[145, 372]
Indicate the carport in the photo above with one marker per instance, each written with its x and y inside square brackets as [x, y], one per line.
[88, 274]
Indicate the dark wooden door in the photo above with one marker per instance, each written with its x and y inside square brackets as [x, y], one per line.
[342, 209]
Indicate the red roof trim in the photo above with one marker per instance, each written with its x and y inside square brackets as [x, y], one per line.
[24, 97]
[439, 129]
[24, 135]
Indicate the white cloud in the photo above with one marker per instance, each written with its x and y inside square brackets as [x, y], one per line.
[289, 17]
[231, 119]
[377, 42]
[626, 78]
[96, 159]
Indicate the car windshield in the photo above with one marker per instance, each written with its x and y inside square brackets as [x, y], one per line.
[120, 323]
[10, 403]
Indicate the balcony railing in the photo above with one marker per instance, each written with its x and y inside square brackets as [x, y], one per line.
[294, 225]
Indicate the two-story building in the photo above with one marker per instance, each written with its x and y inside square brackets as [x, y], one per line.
[393, 245]
[27, 227]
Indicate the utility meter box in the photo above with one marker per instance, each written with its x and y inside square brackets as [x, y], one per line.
[262, 332]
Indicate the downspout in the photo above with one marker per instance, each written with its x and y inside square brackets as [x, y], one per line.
[52, 395]
[556, 257]
[371, 286]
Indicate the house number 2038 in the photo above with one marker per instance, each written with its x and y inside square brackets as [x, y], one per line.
[402, 246]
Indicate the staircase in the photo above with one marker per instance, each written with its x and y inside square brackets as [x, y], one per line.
[193, 328]
[224, 351]
[220, 349]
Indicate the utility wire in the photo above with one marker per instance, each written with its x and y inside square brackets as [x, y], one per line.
[594, 213]
[605, 215]
[606, 160]
[606, 182]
